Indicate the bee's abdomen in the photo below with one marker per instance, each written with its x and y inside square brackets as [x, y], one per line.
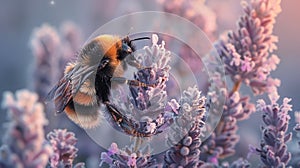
[85, 116]
[83, 109]
[86, 94]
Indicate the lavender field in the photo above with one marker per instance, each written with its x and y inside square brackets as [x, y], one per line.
[223, 84]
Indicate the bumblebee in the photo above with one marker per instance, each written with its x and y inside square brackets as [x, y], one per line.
[87, 82]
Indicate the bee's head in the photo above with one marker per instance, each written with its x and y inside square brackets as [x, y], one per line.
[126, 47]
[112, 47]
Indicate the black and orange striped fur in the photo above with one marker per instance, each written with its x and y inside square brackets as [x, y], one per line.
[87, 81]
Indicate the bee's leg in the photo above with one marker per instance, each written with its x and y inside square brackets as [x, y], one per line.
[122, 80]
[115, 114]
[126, 124]
[130, 60]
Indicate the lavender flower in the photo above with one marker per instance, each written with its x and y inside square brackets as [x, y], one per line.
[23, 143]
[156, 58]
[45, 42]
[273, 150]
[52, 50]
[240, 163]
[152, 101]
[297, 119]
[188, 125]
[63, 145]
[194, 10]
[247, 57]
[202, 16]
[117, 158]
[70, 36]
[247, 52]
[222, 141]
[297, 129]
[147, 104]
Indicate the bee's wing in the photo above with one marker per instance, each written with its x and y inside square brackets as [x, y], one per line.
[62, 93]
[79, 75]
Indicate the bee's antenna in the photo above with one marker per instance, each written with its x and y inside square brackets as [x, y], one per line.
[130, 30]
[141, 38]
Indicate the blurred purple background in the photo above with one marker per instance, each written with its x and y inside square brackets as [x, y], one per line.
[19, 18]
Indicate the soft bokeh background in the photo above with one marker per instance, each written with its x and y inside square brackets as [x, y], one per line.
[19, 18]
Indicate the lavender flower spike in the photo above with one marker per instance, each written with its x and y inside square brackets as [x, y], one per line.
[237, 107]
[247, 52]
[146, 104]
[188, 127]
[240, 163]
[297, 130]
[117, 158]
[273, 151]
[194, 10]
[24, 145]
[50, 56]
[45, 43]
[63, 144]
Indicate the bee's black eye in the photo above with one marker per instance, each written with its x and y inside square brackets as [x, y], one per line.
[126, 48]
[124, 51]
